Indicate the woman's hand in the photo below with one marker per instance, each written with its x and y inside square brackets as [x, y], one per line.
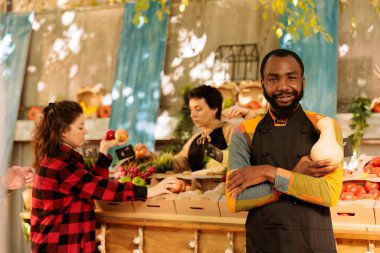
[105, 145]
[17, 177]
[162, 187]
[312, 168]
[235, 111]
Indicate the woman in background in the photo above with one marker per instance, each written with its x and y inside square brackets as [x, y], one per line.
[205, 103]
[63, 216]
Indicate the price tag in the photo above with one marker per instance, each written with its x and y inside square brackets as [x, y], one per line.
[125, 153]
[214, 152]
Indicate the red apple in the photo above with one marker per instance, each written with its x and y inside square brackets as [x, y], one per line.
[109, 134]
[179, 186]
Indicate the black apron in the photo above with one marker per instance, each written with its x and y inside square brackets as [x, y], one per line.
[196, 155]
[288, 225]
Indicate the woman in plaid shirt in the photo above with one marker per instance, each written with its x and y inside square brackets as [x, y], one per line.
[63, 216]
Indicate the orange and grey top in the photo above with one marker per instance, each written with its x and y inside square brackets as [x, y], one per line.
[323, 191]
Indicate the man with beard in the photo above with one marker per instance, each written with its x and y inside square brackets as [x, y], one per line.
[272, 175]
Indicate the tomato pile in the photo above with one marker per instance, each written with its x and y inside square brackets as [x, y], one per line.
[373, 166]
[356, 191]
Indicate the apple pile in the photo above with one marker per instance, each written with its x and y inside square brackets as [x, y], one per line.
[357, 191]
[373, 166]
[120, 135]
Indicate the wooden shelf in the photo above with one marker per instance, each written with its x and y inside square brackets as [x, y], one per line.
[165, 233]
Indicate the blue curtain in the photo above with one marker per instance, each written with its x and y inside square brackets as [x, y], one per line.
[15, 30]
[136, 90]
[320, 59]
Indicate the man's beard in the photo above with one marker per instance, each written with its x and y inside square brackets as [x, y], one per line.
[284, 111]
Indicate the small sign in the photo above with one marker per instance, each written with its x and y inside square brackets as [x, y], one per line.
[89, 152]
[125, 153]
[214, 152]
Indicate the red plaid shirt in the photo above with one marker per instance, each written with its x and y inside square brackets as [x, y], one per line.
[63, 215]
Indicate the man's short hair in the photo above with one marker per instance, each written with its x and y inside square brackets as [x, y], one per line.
[281, 52]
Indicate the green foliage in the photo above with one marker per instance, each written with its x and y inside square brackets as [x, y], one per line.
[143, 5]
[302, 18]
[361, 111]
[143, 165]
[376, 6]
[184, 128]
[164, 162]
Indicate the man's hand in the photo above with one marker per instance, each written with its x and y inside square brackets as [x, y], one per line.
[17, 177]
[244, 177]
[312, 168]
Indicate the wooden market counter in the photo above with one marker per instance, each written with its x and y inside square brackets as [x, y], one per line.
[123, 232]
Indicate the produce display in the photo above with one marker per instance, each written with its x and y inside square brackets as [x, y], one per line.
[368, 168]
[360, 194]
[364, 182]
[356, 190]
[120, 134]
[143, 165]
[373, 166]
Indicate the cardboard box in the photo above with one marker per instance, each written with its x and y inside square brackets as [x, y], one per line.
[163, 204]
[224, 212]
[357, 211]
[202, 182]
[111, 206]
[189, 203]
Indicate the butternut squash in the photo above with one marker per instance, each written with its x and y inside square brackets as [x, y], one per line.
[327, 147]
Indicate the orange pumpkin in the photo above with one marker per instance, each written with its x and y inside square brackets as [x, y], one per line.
[34, 112]
[375, 105]
[141, 151]
[104, 111]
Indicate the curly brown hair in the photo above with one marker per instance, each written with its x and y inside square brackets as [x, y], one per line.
[56, 118]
